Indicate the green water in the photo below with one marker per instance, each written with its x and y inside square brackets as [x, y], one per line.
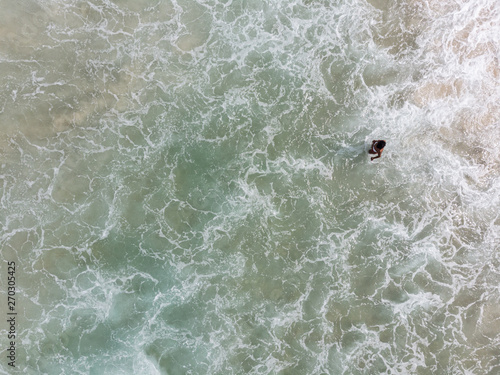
[185, 187]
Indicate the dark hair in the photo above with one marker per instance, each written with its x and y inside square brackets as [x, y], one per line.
[380, 145]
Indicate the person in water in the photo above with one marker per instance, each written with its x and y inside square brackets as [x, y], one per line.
[377, 148]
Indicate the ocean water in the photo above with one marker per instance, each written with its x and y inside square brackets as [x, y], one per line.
[185, 186]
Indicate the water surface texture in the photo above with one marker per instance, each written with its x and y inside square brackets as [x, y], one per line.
[185, 188]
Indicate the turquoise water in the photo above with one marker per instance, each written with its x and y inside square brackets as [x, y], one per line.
[185, 187]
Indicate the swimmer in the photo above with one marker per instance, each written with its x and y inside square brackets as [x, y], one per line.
[377, 148]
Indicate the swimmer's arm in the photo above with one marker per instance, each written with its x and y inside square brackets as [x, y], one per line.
[379, 153]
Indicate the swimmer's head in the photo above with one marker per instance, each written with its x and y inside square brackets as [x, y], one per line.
[380, 145]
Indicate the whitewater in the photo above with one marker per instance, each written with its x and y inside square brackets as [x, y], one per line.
[185, 186]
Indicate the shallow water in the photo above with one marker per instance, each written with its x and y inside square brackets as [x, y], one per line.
[185, 187]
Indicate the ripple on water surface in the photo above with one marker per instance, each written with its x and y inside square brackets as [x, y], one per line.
[185, 187]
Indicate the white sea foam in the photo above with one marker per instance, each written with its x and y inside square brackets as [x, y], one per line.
[185, 185]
